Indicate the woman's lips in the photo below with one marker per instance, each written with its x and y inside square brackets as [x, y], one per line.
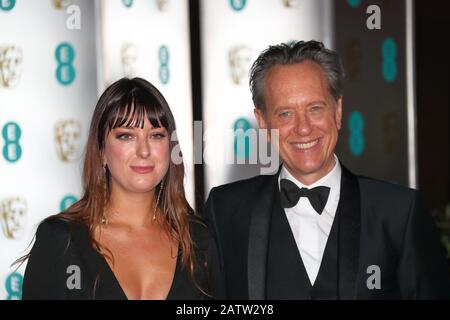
[142, 169]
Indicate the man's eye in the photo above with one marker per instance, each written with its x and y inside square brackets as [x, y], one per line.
[316, 108]
[285, 114]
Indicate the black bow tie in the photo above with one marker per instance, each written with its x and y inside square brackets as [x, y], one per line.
[291, 193]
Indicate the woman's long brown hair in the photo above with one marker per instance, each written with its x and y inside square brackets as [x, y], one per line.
[126, 103]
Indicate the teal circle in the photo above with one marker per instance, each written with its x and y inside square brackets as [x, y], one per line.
[127, 3]
[12, 151]
[65, 74]
[389, 49]
[9, 6]
[64, 53]
[356, 121]
[356, 145]
[389, 71]
[13, 285]
[67, 201]
[163, 55]
[164, 75]
[240, 128]
[17, 131]
[238, 5]
[354, 3]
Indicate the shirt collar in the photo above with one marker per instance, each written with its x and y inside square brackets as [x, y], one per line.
[332, 179]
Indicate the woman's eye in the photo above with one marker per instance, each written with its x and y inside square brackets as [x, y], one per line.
[158, 135]
[123, 136]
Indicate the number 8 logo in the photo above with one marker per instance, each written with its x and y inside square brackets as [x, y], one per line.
[164, 65]
[12, 150]
[65, 55]
[389, 64]
[356, 139]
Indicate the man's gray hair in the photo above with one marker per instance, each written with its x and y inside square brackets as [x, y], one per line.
[296, 52]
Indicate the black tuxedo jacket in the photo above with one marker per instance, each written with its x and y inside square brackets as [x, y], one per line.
[380, 224]
[60, 245]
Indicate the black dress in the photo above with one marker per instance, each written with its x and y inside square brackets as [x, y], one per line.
[62, 251]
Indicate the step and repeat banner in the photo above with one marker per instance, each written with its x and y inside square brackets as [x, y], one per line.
[48, 88]
[150, 39]
[233, 33]
[375, 42]
[56, 57]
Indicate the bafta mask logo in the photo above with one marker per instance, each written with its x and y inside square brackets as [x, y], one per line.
[290, 3]
[162, 4]
[61, 4]
[129, 59]
[353, 55]
[239, 58]
[13, 217]
[10, 66]
[67, 138]
[391, 132]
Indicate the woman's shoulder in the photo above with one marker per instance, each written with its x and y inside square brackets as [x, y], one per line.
[57, 228]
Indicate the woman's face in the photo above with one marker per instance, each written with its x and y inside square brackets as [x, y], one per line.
[137, 158]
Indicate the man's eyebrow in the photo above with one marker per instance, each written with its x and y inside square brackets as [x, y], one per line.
[276, 109]
[317, 102]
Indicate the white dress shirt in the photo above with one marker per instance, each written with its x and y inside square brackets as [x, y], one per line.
[310, 229]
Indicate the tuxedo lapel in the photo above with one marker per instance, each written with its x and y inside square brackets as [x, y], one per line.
[349, 234]
[259, 239]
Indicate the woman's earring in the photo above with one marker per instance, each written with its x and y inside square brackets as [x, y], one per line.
[157, 199]
[104, 219]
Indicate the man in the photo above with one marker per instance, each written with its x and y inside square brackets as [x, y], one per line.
[315, 230]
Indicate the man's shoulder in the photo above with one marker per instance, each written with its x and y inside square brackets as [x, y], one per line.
[385, 190]
[244, 187]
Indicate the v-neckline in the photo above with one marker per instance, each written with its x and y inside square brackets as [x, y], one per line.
[119, 286]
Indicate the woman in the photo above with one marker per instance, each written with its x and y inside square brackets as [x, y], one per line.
[132, 235]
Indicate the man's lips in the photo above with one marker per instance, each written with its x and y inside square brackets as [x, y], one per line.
[145, 169]
[306, 145]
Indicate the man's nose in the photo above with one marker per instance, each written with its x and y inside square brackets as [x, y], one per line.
[302, 124]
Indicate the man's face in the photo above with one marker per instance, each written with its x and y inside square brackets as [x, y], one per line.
[300, 106]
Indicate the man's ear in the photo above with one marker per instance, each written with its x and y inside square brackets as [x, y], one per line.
[259, 115]
[339, 113]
